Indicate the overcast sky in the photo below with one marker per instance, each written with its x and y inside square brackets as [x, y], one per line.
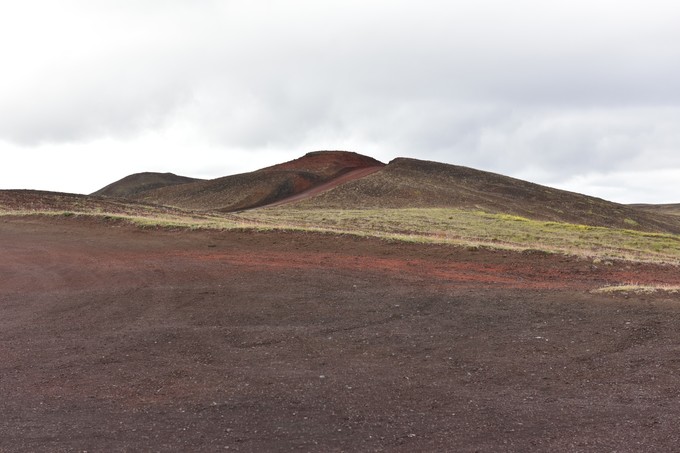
[582, 94]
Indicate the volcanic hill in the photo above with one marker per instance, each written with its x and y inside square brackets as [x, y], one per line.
[405, 183]
[264, 186]
[133, 185]
[347, 180]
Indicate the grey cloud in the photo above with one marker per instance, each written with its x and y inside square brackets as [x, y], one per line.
[106, 109]
[562, 88]
[626, 187]
[93, 73]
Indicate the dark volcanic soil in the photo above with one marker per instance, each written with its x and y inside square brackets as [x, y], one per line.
[114, 338]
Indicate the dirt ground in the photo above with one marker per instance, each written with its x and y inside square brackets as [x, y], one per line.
[116, 338]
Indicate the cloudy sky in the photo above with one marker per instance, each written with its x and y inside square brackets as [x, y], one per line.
[580, 94]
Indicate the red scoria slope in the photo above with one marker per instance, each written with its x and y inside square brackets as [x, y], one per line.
[262, 187]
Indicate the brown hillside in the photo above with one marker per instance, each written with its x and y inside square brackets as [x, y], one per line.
[261, 187]
[31, 201]
[667, 209]
[133, 185]
[415, 183]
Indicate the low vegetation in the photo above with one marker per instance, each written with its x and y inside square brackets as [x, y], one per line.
[478, 229]
[638, 289]
[143, 218]
[432, 225]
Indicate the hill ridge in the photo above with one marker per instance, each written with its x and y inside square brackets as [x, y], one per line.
[407, 182]
[315, 181]
[132, 185]
[261, 187]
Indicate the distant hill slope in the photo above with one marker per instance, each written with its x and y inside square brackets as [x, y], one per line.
[341, 179]
[31, 201]
[415, 183]
[261, 187]
[133, 185]
[668, 209]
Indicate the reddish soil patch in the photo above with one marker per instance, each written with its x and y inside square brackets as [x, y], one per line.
[316, 190]
[115, 338]
[329, 163]
[265, 186]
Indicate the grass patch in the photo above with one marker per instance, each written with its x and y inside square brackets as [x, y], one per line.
[476, 228]
[146, 219]
[638, 289]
